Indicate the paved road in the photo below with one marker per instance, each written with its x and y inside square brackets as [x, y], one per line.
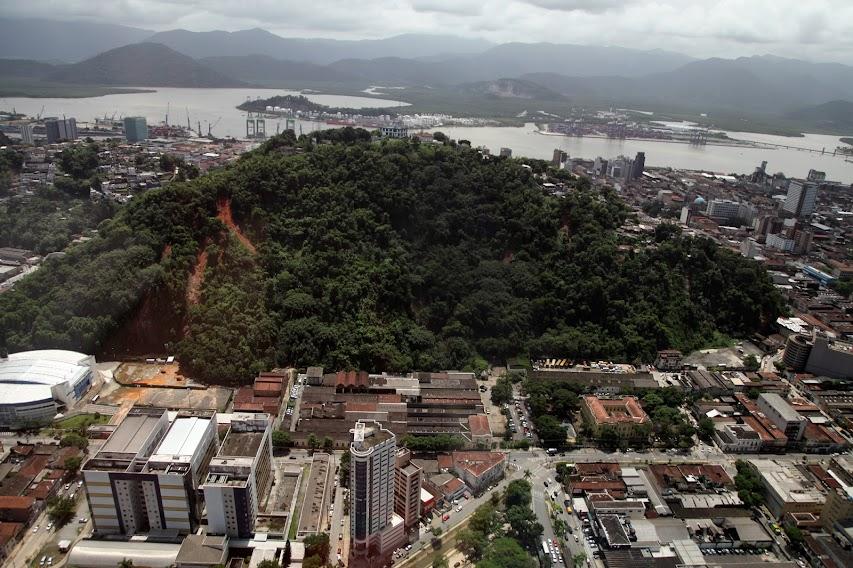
[35, 539]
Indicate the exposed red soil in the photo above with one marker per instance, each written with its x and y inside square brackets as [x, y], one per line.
[197, 276]
[224, 214]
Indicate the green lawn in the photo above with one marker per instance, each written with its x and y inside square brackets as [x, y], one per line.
[81, 421]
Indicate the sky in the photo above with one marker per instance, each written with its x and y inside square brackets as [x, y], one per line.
[817, 30]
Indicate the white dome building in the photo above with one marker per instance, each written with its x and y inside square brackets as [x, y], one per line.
[33, 384]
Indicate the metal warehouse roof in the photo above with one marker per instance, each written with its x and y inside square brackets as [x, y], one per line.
[183, 439]
[105, 553]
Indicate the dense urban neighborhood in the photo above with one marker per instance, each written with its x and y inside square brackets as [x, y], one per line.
[376, 348]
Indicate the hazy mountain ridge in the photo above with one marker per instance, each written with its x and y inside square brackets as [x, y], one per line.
[142, 64]
[833, 114]
[320, 51]
[67, 42]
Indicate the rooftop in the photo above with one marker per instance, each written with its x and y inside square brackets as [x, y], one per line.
[781, 406]
[182, 440]
[29, 375]
[477, 463]
[787, 482]
[130, 436]
[368, 434]
[241, 444]
[615, 410]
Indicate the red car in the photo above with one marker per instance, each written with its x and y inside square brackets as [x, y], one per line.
[445, 517]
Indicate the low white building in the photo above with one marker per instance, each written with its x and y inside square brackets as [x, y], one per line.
[737, 439]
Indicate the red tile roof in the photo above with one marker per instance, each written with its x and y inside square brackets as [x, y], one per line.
[351, 379]
[616, 410]
[479, 425]
[9, 502]
[477, 463]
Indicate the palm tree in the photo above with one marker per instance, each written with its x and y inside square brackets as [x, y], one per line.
[126, 563]
[527, 474]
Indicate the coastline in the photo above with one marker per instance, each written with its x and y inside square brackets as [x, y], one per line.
[733, 142]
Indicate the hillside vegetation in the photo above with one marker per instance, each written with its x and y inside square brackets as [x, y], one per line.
[383, 256]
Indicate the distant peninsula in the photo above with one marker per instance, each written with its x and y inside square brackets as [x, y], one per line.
[301, 104]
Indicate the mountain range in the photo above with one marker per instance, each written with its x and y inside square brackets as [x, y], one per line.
[436, 67]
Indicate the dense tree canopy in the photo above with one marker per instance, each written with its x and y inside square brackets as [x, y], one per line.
[385, 256]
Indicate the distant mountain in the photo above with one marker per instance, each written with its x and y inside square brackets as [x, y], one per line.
[397, 71]
[509, 89]
[321, 51]
[268, 71]
[25, 68]
[67, 42]
[514, 60]
[834, 115]
[766, 85]
[144, 65]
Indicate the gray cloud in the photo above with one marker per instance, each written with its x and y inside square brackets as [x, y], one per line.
[590, 6]
[817, 30]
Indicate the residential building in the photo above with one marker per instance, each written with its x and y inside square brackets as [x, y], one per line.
[780, 242]
[723, 210]
[669, 360]
[788, 489]
[839, 498]
[797, 350]
[407, 488]
[27, 136]
[559, 158]
[135, 128]
[146, 476]
[394, 131]
[778, 411]
[60, 130]
[830, 359]
[738, 439]
[375, 530]
[239, 476]
[477, 469]
[801, 198]
[620, 168]
[506, 153]
[624, 414]
[639, 165]
[816, 175]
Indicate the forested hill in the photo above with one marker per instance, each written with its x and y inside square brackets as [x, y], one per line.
[382, 256]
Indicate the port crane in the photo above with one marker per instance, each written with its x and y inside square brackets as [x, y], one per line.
[210, 127]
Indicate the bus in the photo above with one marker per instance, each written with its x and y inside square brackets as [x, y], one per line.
[545, 546]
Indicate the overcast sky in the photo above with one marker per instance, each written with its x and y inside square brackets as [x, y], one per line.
[820, 30]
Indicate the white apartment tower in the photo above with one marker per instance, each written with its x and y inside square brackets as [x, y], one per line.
[801, 198]
[375, 529]
[146, 476]
[239, 476]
